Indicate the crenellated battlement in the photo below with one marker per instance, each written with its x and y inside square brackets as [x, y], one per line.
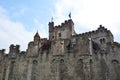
[101, 31]
[2, 51]
[65, 24]
[61, 32]
[14, 48]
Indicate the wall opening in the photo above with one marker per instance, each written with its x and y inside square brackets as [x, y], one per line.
[34, 70]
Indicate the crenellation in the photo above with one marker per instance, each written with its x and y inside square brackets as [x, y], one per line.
[62, 24]
[59, 26]
[2, 51]
[92, 55]
[66, 21]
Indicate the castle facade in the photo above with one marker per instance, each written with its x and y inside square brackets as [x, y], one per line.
[66, 55]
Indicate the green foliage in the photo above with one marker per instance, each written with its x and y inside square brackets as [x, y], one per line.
[116, 44]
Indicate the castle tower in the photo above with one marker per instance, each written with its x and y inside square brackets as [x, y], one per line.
[14, 50]
[36, 38]
[51, 30]
[71, 27]
[63, 31]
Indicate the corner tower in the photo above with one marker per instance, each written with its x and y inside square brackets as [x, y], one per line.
[51, 30]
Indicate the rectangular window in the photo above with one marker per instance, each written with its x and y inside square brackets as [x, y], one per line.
[59, 34]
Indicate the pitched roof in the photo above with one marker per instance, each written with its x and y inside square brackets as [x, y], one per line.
[37, 34]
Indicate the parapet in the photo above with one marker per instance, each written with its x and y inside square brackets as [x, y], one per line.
[65, 24]
[14, 50]
[2, 51]
[100, 29]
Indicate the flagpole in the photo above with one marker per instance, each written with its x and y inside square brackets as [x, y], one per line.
[69, 15]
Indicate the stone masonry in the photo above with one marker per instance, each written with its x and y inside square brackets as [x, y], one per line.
[66, 55]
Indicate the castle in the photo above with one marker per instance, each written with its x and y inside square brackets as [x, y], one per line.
[64, 56]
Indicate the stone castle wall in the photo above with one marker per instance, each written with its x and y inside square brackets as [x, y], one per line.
[88, 56]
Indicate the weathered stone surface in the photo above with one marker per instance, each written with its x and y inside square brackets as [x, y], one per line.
[65, 56]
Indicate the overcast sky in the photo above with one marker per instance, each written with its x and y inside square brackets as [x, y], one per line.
[20, 19]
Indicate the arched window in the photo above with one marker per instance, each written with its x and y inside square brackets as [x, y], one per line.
[53, 66]
[116, 67]
[115, 61]
[35, 62]
[63, 70]
[61, 61]
[102, 40]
